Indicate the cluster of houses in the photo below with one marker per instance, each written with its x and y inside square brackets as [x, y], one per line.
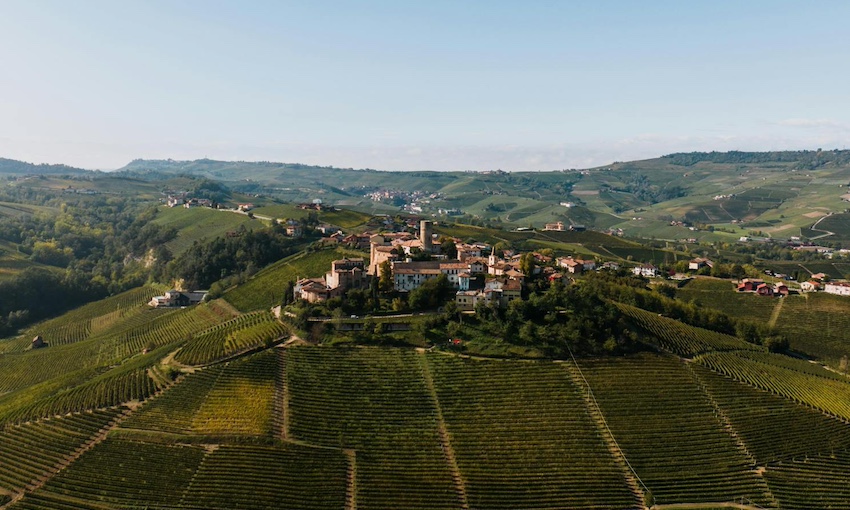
[474, 278]
[183, 200]
[761, 288]
[815, 284]
[818, 283]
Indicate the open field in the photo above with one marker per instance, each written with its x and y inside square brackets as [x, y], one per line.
[265, 289]
[342, 218]
[200, 223]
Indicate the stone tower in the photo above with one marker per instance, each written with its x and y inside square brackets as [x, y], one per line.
[425, 232]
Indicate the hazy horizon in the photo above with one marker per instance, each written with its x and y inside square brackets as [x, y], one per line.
[436, 86]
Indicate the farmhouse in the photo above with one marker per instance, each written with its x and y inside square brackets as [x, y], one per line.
[699, 263]
[810, 286]
[311, 290]
[575, 266]
[554, 227]
[749, 284]
[646, 270]
[174, 298]
[764, 289]
[837, 288]
[780, 289]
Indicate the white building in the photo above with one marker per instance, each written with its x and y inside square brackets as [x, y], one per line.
[837, 288]
[647, 270]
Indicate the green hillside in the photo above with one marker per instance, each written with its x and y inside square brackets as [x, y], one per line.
[199, 224]
[600, 393]
[780, 194]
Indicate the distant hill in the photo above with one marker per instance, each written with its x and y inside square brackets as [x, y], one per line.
[711, 196]
[12, 166]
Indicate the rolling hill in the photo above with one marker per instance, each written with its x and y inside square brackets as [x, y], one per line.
[218, 406]
[778, 194]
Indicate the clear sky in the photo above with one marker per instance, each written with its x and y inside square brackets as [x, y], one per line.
[404, 85]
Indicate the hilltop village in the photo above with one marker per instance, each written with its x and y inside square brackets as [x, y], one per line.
[478, 274]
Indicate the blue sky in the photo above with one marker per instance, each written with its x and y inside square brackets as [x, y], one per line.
[439, 85]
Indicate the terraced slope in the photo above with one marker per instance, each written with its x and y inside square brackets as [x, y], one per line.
[236, 399]
[93, 318]
[772, 427]
[239, 334]
[674, 336]
[376, 402]
[259, 477]
[670, 432]
[814, 482]
[265, 289]
[28, 452]
[721, 295]
[523, 437]
[830, 393]
[125, 474]
[817, 324]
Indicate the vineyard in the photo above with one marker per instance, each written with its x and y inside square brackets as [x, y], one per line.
[674, 336]
[828, 394]
[89, 319]
[199, 223]
[288, 476]
[817, 324]
[244, 332]
[225, 400]
[375, 401]
[670, 432]
[29, 451]
[512, 425]
[216, 418]
[816, 481]
[772, 427]
[721, 295]
[124, 474]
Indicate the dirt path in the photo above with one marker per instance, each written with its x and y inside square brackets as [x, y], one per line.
[445, 443]
[774, 316]
[351, 487]
[281, 397]
[632, 480]
[826, 233]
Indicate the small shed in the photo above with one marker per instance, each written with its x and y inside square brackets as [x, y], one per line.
[38, 342]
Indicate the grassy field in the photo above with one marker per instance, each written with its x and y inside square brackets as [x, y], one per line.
[265, 289]
[344, 218]
[199, 223]
[817, 325]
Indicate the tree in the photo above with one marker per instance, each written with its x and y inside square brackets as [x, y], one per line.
[431, 294]
[527, 264]
[385, 282]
